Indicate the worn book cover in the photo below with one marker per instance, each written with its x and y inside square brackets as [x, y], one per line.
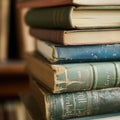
[75, 104]
[71, 17]
[77, 37]
[35, 112]
[56, 53]
[69, 77]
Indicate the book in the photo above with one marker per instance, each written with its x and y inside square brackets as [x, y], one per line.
[4, 28]
[47, 3]
[71, 17]
[77, 37]
[56, 53]
[112, 116]
[34, 111]
[75, 104]
[69, 77]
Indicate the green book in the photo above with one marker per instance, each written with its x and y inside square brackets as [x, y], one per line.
[73, 77]
[71, 17]
[75, 104]
[34, 110]
[110, 116]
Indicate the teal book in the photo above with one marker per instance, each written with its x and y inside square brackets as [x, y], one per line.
[56, 53]
[71, 17]
[76, 104]
[110, 116]
[73, 77]
[36, 110]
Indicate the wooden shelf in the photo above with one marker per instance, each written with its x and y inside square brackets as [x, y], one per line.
[13, 78]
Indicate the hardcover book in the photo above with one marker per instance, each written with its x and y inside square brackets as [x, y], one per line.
[76, 104]
[71, 17]
[77, 37]
[56, 53]
[49, 3]
[110, 116]
[59, 78]
[34, 111]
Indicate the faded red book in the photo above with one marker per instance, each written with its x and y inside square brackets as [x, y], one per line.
[77, 37]
[49, 3]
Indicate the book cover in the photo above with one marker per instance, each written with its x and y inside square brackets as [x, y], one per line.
[59, 78]
[77, 37]
[76, 104]
[56, 53]
[34, 111]
[47, 3]
[110, 116]
[71, 17]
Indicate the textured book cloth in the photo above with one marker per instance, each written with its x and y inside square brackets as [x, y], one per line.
[73, 77]
[34, 111]
[56, 53]
[76, 104]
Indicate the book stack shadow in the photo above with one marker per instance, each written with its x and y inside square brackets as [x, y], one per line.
[75, 70]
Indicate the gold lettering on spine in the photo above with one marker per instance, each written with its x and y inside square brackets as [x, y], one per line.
[81, 98]
[82, 101]
[68, 106]
[108, 78]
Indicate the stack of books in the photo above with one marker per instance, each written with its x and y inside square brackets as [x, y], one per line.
[75, 70]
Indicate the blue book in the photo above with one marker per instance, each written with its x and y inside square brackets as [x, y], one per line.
[56, 53]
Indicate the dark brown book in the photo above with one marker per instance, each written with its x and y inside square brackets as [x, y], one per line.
[48, 3]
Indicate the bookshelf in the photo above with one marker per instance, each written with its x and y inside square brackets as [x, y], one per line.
[13, 77]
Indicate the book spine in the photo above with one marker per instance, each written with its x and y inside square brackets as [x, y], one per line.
[59, 17]
[88, 53]
[77, 104]
[88, 76]
[55, 36]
